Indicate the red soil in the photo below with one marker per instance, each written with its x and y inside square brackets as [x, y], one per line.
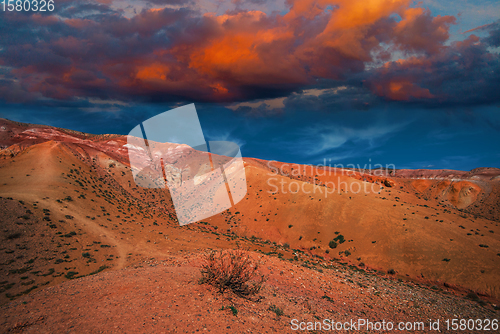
[70, 208]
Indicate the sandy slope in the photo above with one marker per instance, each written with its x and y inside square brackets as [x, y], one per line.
[163, 296]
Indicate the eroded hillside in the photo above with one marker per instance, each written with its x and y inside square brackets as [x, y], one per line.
[70, 208]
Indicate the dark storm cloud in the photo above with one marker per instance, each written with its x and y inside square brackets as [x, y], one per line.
[91, 50]
[340, 96]
[494, 34]
[465, 73]
[80, 9]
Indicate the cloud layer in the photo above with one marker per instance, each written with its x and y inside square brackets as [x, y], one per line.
[378, 49]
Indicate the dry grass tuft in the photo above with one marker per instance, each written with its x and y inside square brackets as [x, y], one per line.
[232, 270]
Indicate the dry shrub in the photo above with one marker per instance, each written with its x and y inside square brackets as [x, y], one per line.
[234, 270]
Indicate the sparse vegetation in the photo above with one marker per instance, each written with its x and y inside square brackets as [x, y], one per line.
[328, 298]
[340, 239]
[233, 309]
[473, 296]
[232, 270]
[101, 268]
[14, 235]
[70, 274]
[279, 312]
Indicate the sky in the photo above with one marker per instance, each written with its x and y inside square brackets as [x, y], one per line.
[388, 82]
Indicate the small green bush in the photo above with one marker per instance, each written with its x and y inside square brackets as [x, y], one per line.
[340, 239]
[70, 274]
[233, 309]
[279, 312]
[14, 235]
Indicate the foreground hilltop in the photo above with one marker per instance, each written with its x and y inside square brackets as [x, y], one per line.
[72, 212]
[163, 295]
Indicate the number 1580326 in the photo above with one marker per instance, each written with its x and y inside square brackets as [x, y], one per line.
[27, 5]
